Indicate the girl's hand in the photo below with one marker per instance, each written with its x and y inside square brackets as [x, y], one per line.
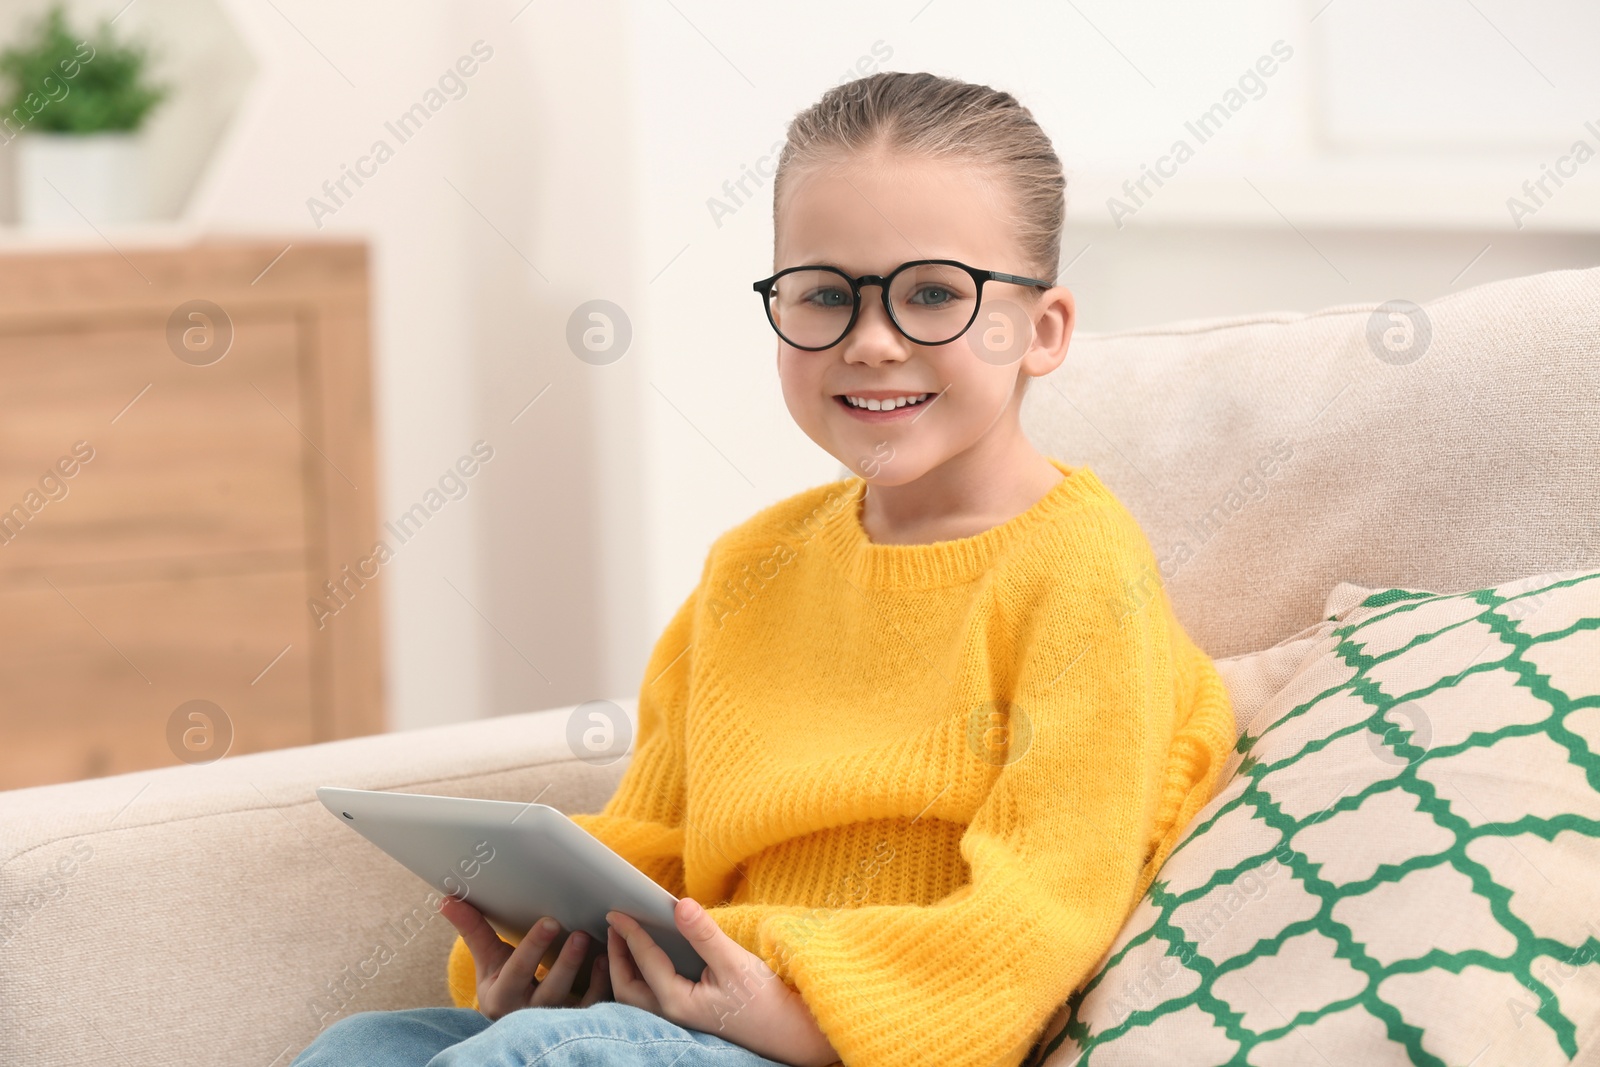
[738, 997]
[506, 974]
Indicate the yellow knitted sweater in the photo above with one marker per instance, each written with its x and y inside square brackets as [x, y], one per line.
[925, 783]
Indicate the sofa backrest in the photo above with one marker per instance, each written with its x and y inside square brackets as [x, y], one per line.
[1269, 457]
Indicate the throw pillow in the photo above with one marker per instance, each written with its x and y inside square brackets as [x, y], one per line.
[1403, 866]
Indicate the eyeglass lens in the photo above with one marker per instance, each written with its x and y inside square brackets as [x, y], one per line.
[932, 302]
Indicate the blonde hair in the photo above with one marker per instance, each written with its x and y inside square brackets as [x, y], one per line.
[918, 113]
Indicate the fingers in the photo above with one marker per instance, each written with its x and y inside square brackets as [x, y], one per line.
[726, 960]
[721, 953]
[653, 963]
[515, 980]
[556, 988]
[488, 950]
[599, 982]
[627, 984]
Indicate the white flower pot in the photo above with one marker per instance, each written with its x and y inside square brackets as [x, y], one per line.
[64, 178]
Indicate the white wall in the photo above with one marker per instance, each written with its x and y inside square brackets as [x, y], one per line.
[512, 205]
[579, 166]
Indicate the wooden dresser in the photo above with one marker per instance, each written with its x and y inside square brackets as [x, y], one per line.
[172, 497]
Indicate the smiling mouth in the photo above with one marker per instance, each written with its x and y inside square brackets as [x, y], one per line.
[906, 400]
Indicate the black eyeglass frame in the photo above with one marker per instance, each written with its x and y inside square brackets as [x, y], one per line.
[764, 287]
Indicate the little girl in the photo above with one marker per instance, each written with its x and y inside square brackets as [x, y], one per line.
[919, 739]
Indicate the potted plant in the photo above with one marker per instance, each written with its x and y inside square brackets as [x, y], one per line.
[72, 109]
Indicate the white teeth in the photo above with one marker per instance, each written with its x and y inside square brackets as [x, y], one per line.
[886, 405]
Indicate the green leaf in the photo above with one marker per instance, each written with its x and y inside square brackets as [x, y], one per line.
[57, 80]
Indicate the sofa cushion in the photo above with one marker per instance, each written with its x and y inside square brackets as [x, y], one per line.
[217, 913]
[1404, 863]
[1270, 456]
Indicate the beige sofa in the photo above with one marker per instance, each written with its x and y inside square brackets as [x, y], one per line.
[217, 914]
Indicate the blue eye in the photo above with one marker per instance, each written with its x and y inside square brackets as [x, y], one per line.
[829, 298]
[948, 295]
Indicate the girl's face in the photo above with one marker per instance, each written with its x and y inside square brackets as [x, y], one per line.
[868, 217]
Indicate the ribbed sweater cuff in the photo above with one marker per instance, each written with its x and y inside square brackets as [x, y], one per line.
[904, 986]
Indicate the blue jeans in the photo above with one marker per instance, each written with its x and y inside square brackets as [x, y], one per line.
[604, 1033]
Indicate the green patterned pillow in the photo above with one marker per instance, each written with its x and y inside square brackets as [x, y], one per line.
[1404, 864]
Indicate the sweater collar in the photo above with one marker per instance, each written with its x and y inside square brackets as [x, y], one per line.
[942, 563]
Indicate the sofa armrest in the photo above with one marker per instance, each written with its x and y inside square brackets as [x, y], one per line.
[219, 914]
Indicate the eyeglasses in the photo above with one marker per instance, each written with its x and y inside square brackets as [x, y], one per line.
[930, 301]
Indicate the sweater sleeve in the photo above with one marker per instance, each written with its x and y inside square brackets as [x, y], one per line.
[1106, 755]
[643, 819]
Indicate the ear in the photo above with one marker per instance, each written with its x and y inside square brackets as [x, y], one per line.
[1054, 317]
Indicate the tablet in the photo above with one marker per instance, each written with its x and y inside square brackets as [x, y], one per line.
[515, 863]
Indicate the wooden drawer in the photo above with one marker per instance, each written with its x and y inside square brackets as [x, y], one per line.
[199, 460]
[92, 673]
[164, 521]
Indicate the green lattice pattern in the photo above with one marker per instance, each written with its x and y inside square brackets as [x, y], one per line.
[1246, 831]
